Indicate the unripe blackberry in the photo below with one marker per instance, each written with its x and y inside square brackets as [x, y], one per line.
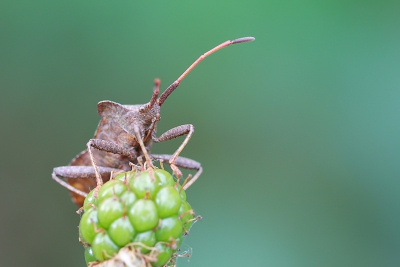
[141, 214]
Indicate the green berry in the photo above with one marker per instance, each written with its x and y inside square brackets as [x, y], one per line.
[109, 210]
[121, 231]
[143, 185]
[182, 192]
[164, 177]
[128, 198]
[89, 257]
[186, 215]
[111, 188]
[169, 230]
[88, 226]
[103, 247]
[143, 215]
[168, 201]
[90, 201]
[165, 253]
[146, 238]
[124, 176]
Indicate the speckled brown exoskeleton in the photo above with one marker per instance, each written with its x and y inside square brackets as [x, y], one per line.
[125, 135]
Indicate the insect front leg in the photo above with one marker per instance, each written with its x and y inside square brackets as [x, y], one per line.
[107, 146]
[171, 134]
[80, 179]
[183, 163]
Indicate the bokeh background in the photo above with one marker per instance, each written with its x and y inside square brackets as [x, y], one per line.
[298, 132]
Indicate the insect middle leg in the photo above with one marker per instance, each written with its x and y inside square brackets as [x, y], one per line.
[107, 146]
[183, 163]
[79, 180]
[171, 134]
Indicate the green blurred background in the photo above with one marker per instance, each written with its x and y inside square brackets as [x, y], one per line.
[298, 132]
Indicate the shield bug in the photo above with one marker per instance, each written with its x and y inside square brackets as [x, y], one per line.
[124, 135]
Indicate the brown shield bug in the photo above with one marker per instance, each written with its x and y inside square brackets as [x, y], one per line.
[125, 135]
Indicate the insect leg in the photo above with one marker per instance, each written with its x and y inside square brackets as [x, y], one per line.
[171, 134]
[80, 179]
[67, 185]
[143, 147]
[183, 163]
[106, 146]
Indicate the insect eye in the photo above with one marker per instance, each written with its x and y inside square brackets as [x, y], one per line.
[142, 109]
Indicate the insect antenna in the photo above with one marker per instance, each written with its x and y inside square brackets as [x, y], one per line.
[175, 84]
[156, 90]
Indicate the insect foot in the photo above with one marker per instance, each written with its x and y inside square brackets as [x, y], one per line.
[135, 219]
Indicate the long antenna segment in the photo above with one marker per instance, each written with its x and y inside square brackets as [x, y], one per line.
[175, 84]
